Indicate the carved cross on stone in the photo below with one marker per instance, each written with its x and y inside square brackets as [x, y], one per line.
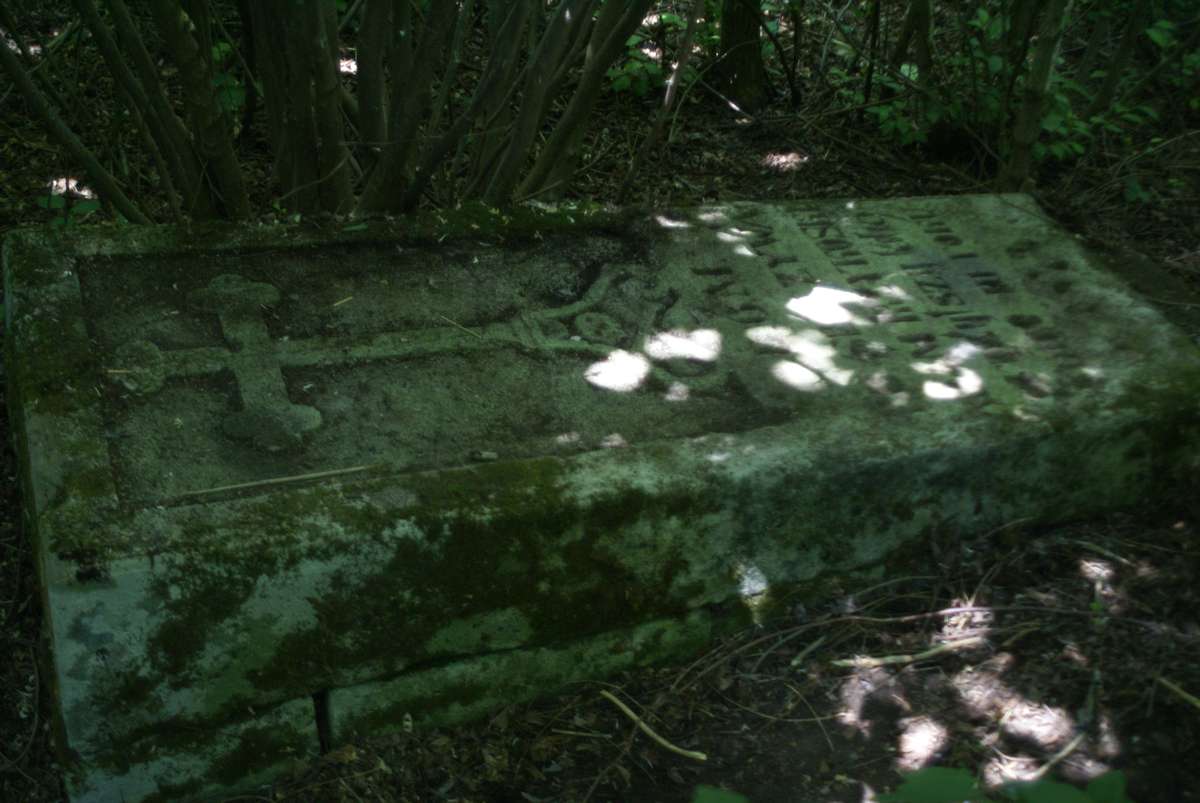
[268, 419]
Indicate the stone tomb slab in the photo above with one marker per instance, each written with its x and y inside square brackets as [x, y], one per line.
[289, 485]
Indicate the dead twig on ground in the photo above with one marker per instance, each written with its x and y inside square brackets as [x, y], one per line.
[646, 729]
[891, 660]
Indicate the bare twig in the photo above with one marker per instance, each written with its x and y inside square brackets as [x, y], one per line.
[892, 660]
[646, 729]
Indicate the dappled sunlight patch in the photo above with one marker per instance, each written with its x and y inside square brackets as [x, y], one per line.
[796, 376]
[880, 383]
[1097, 571]
[894, 291]
[1102, 574]
[922, 739]
[12, 45]
[1108, 744]
[980, 690]
[783, 162]
[677, 392]
[1002, 769]
[960, 381]
[863, 685]
[753, 589]
[623, 371]
[973, 621]
[815, 357]
[613, 440]
[828, 306]
[1073, 653]
[703, 345]
[69, 185]
[1047, 729]
[348, 65]
[1036, 723]
[671, 223]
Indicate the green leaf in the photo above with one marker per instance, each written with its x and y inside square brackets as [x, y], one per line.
[1161, 34]
[936, 785]
[995, 64]
[1134, 191]
[1053, 121]
[1108, 788]
[1047, 792]
[621, 83]
[85, 207]
[50, 201]
[708, 794]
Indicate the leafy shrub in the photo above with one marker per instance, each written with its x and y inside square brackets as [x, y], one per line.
[943, 785]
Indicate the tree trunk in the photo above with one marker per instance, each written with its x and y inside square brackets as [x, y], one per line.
[211, 129]
[741, 54]
[915, 33]
[1028, 124]
[410, 103]
[100, 178]
[333, 156]
[556, 163]
[1116, 67]
[372, 82]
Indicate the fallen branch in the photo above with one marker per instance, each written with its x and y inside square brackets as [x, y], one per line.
[892, 660]
[1183, 695]
[646, 729]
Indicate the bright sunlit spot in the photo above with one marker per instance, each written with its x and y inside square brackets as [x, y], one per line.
[894, 291]
[68, 185]
[753, 588]
[348, 66]
[1046, 729]
[827, 306]
[796, 376]
[702, 344]
[921, 739]
[614, 441]
[670, 223]
[863, 685]
[960, 381]
[813, 352]
[677, 392]
[622, 371]
[783, 162]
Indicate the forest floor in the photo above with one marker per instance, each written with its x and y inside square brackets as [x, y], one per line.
[1092, 628]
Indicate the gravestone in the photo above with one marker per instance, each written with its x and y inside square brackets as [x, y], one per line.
[287, 485]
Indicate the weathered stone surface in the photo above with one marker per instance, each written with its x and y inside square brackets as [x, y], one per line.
[428, 468]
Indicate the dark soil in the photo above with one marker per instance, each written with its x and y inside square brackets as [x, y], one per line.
[1069, 650]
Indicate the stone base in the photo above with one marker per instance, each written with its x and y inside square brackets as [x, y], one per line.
[426, 468]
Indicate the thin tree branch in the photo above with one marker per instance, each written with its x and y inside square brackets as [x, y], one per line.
[103, 181]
